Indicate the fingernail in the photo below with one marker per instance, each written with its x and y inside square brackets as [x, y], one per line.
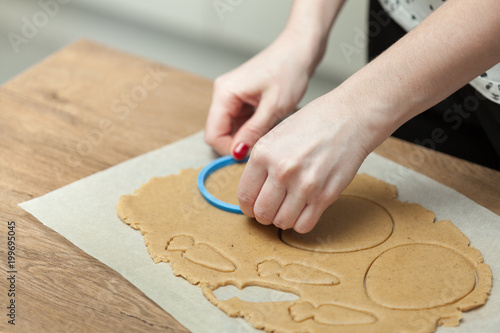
[240, 151]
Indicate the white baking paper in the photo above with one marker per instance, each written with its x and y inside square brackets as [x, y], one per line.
[85, 213]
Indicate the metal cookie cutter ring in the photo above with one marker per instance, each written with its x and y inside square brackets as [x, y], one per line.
[207, 171]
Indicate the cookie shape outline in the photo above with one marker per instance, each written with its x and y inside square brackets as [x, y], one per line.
[200, 254]
[419, 267]
[330, 314]
[355, 210]
[297, 273]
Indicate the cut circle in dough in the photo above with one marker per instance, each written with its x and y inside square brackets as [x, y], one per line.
[349, 224]
[419, 276]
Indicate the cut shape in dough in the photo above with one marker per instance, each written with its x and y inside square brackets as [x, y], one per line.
[373, 264]
[349, 224]
[201, 254]
[330, 314]
[297, 273]
[253, 294]
[419, 276]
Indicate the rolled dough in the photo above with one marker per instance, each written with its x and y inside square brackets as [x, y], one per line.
[372, 264]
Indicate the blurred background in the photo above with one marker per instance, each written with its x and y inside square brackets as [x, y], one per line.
[205, 37]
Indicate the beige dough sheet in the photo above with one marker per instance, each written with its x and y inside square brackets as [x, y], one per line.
[372, 264]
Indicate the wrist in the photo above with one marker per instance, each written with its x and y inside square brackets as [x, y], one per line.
[307, 47]
[309, 25]
[373, 118]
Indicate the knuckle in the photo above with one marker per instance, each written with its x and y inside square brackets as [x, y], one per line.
[286, 169]
[327, 197]
[259, 153]
[322, 201]
[209, 138]
[280, 110]
[281, 102]
[274, 105]
[222, 86]
[245, 198]
[263, 216]
[282, 223]
[303, 228]
[309, 187]
[220, 82]
[254, 131]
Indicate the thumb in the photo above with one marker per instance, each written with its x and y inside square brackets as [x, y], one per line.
[261, 122]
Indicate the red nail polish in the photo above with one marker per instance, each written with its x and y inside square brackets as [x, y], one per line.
[240, 151]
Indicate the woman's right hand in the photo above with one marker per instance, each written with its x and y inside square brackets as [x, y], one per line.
[249, 100]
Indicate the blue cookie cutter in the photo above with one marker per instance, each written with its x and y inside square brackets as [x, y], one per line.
[207, 171]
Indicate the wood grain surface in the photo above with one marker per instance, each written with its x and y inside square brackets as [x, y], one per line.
[87, 108]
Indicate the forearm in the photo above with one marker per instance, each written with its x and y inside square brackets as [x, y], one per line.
[458, 42]
[309, 24]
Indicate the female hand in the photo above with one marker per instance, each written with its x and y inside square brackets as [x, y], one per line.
[301, 166]
[248, 101]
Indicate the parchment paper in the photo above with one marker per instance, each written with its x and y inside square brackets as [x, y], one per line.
[85, 213]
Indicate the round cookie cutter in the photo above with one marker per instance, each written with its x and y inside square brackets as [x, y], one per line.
[210, 168]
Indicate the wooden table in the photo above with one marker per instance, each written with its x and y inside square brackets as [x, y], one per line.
[87, 108]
